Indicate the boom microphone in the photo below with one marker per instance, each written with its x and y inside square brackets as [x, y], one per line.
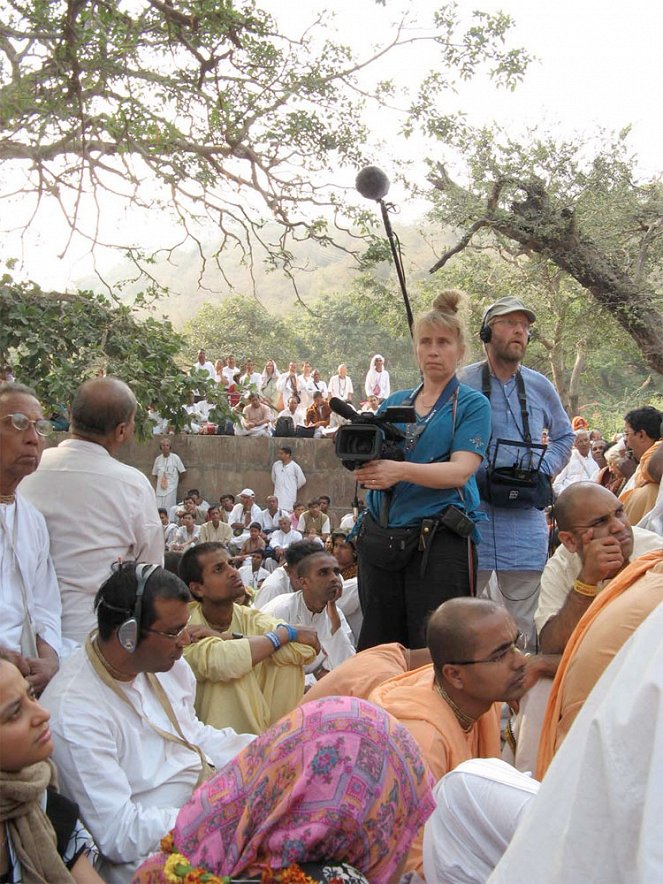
[372, 183]
[344, 409]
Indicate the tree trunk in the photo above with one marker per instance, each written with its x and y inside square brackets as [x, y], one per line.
[552, 233]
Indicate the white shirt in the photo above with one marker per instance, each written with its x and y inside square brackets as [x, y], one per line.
[288, 478]
[128, 781]
[253, 578]
[270, 522]
[27, 534]
[182, 538]
[254, 378]
[282, 539]
[276, 584]
[578, 469]
[237, 514]
[321, 386]
[336, 648]
[170, 467]
[340, 387]
[229, 373]
[97, 510]
[564, 566]
[206, 366]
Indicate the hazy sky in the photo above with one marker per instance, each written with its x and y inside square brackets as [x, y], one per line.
[598, 65]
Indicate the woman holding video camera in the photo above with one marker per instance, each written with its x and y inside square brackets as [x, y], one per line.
[416, 542]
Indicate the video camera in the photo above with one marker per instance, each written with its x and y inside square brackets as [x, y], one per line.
[370, 436]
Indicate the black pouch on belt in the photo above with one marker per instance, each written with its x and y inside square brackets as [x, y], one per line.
[387, 548]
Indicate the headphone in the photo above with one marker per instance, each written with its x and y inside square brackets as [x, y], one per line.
[128, 633]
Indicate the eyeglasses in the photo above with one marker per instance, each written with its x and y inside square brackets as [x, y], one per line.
[21, 422]
[174, 635]
[514, 323]
[518, 645]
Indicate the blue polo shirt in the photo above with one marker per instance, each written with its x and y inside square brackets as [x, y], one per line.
[411, 503]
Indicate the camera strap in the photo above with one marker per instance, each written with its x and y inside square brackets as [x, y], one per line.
[522, 399]
[415, 430]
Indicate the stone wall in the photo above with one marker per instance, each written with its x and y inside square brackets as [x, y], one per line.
[219, 464]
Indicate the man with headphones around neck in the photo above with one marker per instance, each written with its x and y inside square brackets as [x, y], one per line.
[128, 745]
[523, 403]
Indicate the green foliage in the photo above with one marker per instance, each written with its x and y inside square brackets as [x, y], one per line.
[55, 341]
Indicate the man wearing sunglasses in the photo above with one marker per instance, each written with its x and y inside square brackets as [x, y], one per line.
[29, 596]
[96, 508]
[130, 749]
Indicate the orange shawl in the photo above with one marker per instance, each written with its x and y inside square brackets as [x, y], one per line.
[619, 584]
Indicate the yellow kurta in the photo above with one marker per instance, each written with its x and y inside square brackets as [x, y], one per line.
[233, 693]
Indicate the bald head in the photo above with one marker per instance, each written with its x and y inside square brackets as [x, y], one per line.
[452, 630]
[573, 501]
[101, 407]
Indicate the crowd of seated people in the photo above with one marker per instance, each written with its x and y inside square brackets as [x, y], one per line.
[294, 402]
[221, 679]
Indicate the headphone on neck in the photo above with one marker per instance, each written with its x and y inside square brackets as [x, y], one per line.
[128, 633]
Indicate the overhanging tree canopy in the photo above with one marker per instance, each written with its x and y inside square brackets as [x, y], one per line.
[202, 106]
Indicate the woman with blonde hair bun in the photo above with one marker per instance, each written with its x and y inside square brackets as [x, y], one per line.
[416, 540]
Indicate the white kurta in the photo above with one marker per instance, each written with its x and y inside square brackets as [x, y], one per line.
[276, 584]
[578, 469]
[283, 540]
[170, 467]
[97, 510]
[291, 608]
[288, 478]
[128, 781]
[26, 531]
[340, 387]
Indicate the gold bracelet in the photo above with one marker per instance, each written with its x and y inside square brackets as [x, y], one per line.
[587, 589]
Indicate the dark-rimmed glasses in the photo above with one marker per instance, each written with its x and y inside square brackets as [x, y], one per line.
[174, 635]
[518, 645]
[21, 422]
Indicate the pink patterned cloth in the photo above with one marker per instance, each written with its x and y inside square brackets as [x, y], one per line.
[337, 779]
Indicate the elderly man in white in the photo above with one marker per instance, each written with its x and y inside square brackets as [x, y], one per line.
[29, 596]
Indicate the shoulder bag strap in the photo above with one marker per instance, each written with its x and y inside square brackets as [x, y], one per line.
[93, 655]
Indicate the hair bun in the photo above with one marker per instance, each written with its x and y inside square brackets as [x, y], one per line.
[448, 301]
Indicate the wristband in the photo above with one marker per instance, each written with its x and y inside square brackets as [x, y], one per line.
[274, 639]
[292, 632]
[587, 589]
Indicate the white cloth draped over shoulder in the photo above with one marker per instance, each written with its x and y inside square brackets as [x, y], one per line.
[598, 814]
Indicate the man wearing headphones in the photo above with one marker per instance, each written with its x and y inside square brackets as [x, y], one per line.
[524, 403]
[128, 745]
